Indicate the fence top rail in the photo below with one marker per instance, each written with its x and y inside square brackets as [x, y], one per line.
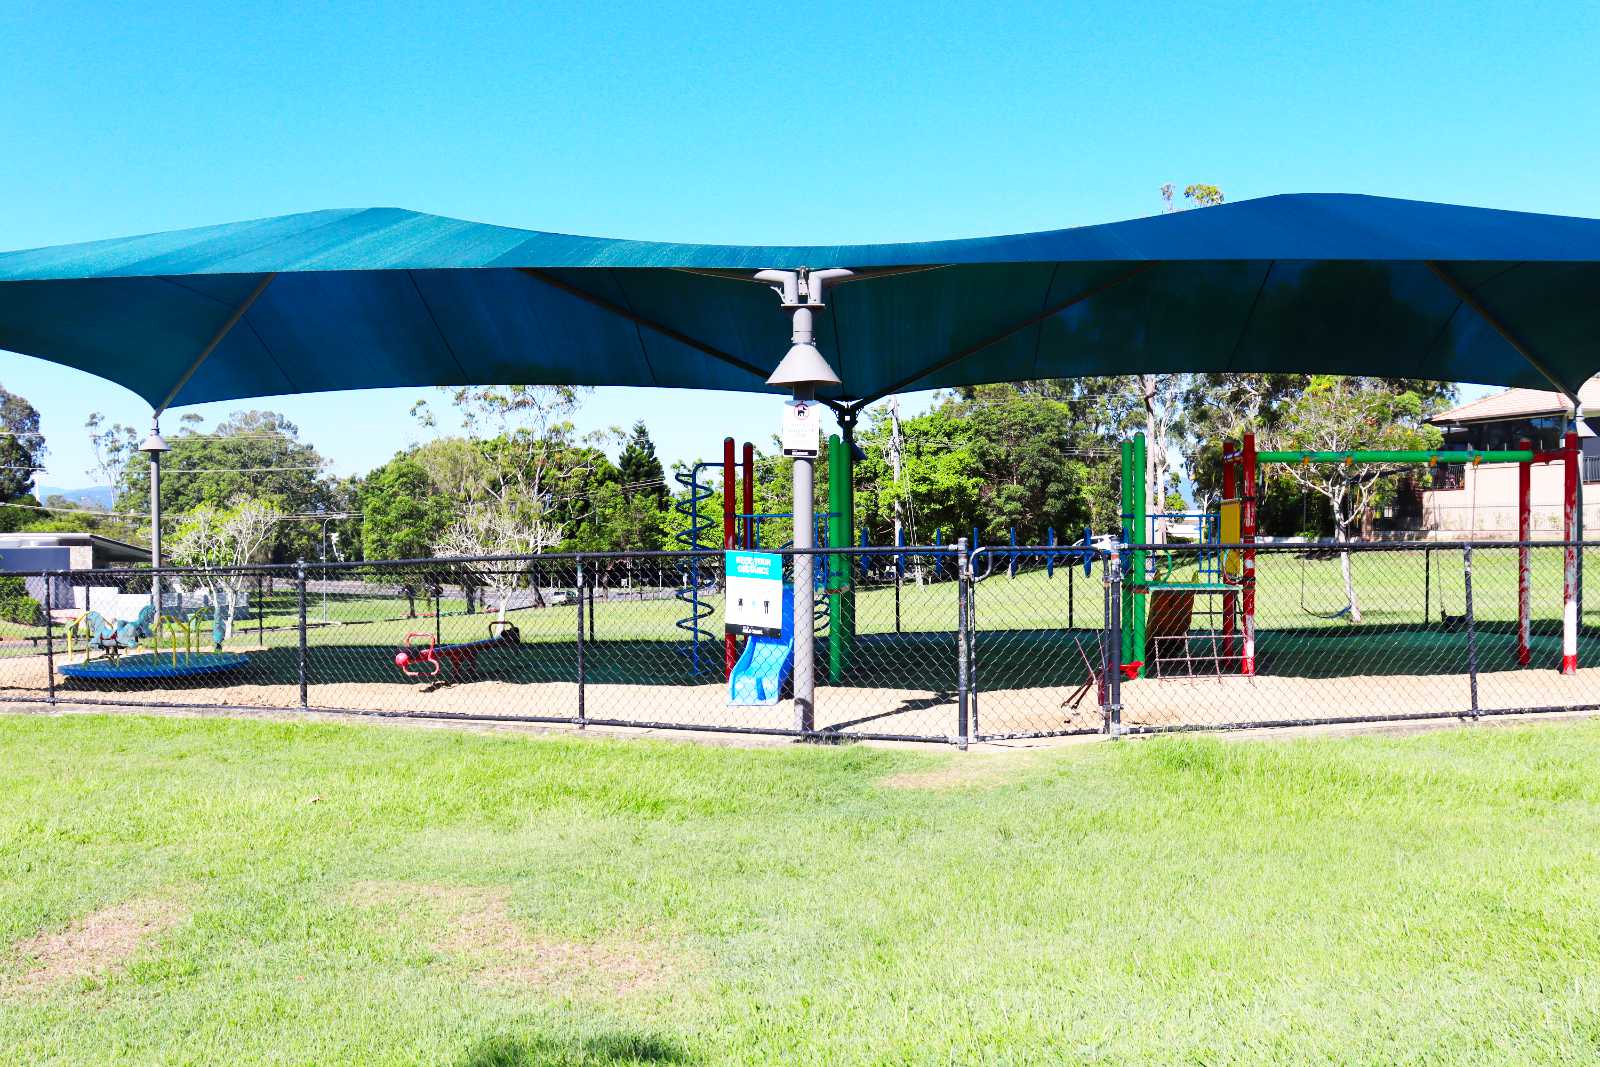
[1193, 548]
[444, 565]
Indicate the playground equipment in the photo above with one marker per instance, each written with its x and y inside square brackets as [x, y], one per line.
[1240, 467]
[1161, 607]
[763, 668]
[1160, 602]
[743, 527]
[113, 637]
[1083, 554]
[155, 665]
[462, 658]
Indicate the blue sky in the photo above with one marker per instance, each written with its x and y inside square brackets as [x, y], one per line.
[752, 123]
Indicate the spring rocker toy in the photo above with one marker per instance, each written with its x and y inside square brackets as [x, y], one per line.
[427, 661]
[112, 636]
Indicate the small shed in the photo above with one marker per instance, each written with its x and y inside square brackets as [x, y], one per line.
[29, 553]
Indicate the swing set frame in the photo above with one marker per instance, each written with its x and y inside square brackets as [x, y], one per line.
[1240, 494]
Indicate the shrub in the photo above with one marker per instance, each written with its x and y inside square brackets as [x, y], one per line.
[15, 603]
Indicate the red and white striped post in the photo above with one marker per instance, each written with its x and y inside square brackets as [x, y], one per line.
[1569, 570]
[1247, 522]
[748, 460]
[1524, 558]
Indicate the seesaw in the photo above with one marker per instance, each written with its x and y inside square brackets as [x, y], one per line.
[429, 660]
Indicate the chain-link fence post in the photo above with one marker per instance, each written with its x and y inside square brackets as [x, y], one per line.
[50, 635]
[963, 624]
[972, 648]
[261, 613]
[582, 714]
[300, 597]
[1113, 640]
[1472, 626]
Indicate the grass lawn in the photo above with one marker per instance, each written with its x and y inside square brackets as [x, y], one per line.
[215, 891]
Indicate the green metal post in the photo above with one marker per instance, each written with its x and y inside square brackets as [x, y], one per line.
[1134, 583]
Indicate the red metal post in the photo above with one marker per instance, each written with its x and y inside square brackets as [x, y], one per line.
[1524, 559]
[1569, 571]
[1247, 523]
[749, 495]
[730, 643]
[1230, 601]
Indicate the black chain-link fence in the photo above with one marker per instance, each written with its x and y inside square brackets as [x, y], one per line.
[931, 643]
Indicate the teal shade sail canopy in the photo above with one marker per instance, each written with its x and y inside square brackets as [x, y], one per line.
[369, 298]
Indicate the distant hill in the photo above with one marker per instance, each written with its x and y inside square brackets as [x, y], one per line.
[95, 496]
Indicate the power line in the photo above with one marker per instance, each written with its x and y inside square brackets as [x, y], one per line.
[238, 470]
[182, 436]
[77, 511]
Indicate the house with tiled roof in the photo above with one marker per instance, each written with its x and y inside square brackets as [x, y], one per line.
[1480, 502]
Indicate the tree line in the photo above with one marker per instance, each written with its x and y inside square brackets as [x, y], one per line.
[512, 475]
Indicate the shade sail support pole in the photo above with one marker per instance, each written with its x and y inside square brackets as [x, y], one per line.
[803, 370]
[216, 339]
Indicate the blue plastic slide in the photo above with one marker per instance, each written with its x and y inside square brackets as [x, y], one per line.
[765, 663]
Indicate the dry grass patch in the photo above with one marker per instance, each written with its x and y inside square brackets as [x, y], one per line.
[968, 771]
[93, 946]
[474, 926]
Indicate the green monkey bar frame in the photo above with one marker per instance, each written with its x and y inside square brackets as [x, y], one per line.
[1135, 531]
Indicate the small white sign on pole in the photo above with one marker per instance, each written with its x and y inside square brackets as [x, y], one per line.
[802, 428]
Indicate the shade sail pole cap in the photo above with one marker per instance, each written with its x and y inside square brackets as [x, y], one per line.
[802, 292]
[803, 366]
[155, 443]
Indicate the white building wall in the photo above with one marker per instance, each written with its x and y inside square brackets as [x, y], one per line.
[1485, 507]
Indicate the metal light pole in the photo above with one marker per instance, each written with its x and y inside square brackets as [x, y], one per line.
[802, 370]
[154, 446]
[324, 546]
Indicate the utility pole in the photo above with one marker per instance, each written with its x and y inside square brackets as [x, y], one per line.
[895, 445]
[902, 528]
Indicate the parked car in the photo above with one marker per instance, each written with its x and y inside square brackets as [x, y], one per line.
[560, 597]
